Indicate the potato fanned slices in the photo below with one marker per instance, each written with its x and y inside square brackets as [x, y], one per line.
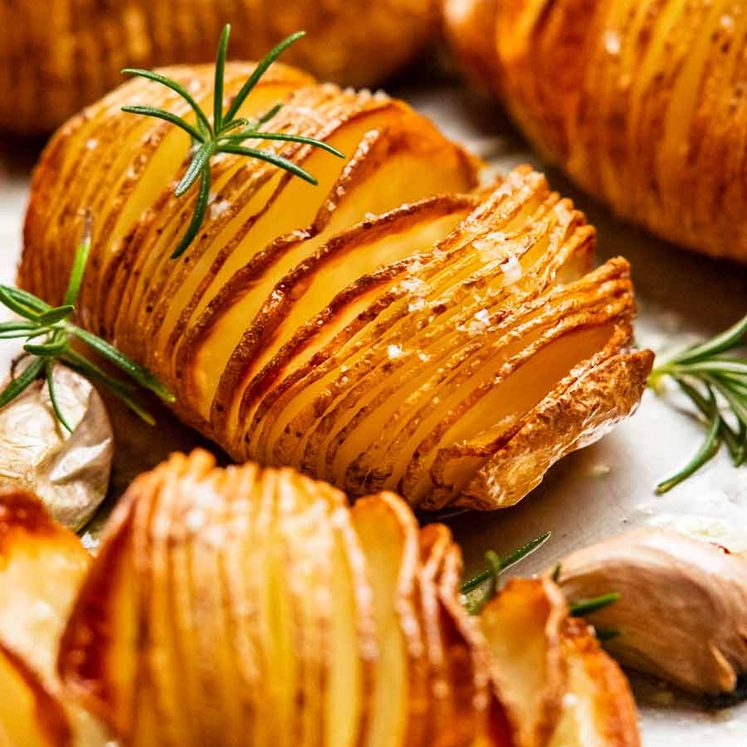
[393, 328]
[60, 55]
[41, 567]
[558, 687]
[642, 103]
[243, 606]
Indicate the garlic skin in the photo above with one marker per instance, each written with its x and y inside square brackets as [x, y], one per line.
[682, 615]
[68, 471]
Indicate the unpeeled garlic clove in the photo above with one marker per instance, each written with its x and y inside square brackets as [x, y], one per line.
[682, 613]
[68, 471]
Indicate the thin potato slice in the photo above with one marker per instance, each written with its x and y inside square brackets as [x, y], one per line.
[523, 629]
[29, 714]
[389, 537]
[598, 707]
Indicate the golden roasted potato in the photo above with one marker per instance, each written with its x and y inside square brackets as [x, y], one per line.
[248, 607]
[559, 688]
[641, 103]
[252, 607]
[41, 567]
[58, 56]
[390, 329]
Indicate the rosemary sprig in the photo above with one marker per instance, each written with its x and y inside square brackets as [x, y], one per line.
[226, 133]
[715, 383]
[583, 607]
[49, 333]
[479, 590]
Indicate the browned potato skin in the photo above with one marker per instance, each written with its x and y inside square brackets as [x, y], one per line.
[641, 103]
[514, 262]
[59, 56]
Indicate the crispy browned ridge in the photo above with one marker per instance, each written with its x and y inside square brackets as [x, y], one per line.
[60, 55]
[255, 606]
[391, 329]
[642, 103]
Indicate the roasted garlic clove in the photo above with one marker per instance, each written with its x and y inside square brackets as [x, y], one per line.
[68, 471]
[682, 613]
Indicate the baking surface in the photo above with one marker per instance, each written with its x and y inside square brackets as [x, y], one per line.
[601, 491]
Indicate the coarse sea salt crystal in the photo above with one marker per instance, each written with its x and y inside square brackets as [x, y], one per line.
[612, 43]
[511, 270]
[394, 351]
[488, 246]
[218, 208]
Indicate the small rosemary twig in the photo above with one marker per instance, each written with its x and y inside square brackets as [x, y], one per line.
[226, 133]
[714, 382]
[49, 333]
[479, 590]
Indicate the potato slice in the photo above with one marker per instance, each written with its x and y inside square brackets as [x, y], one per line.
[41, 567]
[523, 629]
[29, 714]
[598, 707]
[388, 534]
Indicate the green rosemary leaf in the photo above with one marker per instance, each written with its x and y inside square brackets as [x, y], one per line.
[203, 121]
[59, 314]
[556, 573]
[174, 119]
[137, 372]
[239, 137]
[51, 349]
[269, 114]
[120, 389]
[273, 158]
[583, 607]
[727, 340]
[49, 372]
[80, 262]
[11, 301]
[506, 562]
[706, 452]
[201, 206]
[195, 169]
[259, 71]
[20, 383]
[27, 300]
[220, 71]
[19, 327]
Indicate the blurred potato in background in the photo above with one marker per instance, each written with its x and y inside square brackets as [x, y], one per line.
[59, 55]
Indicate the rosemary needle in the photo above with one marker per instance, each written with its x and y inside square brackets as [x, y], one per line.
[226, 133]
[716, 384]
[49, 333]
[479, 590]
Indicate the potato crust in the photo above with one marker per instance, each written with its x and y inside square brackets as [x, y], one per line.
[642, 103]
[393, 328]
[59, 56]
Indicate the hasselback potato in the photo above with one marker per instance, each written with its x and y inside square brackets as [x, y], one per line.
[642, 103]
[58, 56]
[391, 328]
[254, 607]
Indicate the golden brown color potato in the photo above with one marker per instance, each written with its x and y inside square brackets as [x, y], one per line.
[642, 103]
[41, 568]
[243, 606]
[58, 56]
[559, 688]
[389, 329]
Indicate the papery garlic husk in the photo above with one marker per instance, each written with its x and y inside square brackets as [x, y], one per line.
[68, 471]
[682, 613]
